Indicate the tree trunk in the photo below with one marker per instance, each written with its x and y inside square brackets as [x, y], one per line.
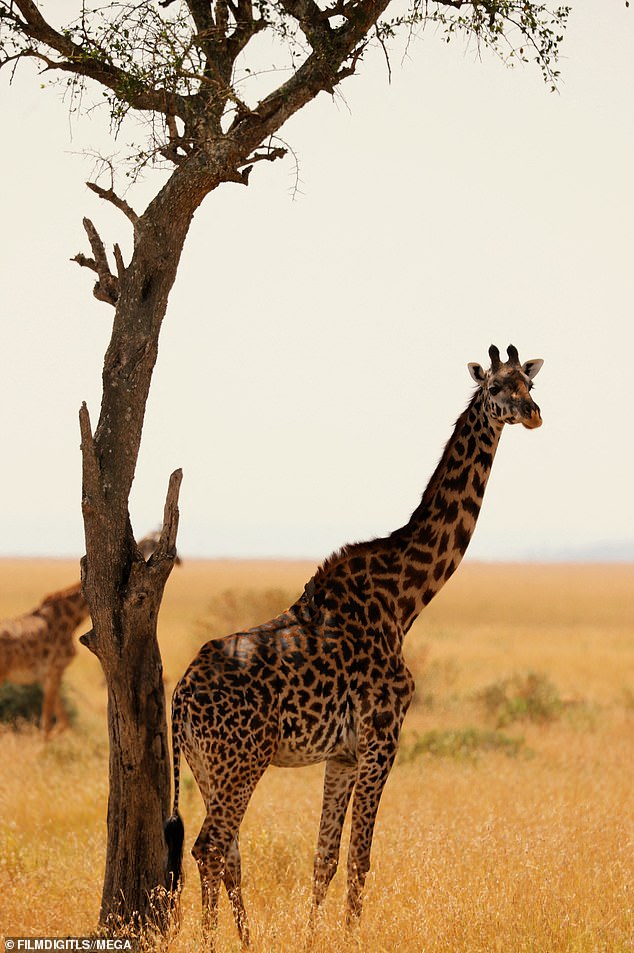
[139, 767]
[123, 591]
[139, 797]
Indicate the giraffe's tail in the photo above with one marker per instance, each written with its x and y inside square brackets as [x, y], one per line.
[174, 830]
[174, 836]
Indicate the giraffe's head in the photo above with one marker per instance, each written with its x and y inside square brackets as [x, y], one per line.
[506, 387]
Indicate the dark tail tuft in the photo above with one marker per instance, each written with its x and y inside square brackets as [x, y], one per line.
[174, 831]
[174, 836]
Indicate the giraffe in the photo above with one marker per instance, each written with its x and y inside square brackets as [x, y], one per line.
[326, 680]
[38, 646]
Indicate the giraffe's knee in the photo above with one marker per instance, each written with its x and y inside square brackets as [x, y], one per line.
[208, 855]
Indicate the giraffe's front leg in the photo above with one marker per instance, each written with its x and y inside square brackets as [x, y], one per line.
[51, 700]
[374, 768]
[339, 781]
[364, 809]
[61, 715]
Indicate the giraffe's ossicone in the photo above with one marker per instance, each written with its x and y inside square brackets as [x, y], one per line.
[326, 680]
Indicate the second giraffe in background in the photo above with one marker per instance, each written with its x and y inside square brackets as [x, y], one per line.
[38, 647]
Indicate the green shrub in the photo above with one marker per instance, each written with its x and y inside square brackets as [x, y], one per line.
[23, 703]
[531, 697]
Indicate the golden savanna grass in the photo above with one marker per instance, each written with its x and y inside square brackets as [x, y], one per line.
[476, 848]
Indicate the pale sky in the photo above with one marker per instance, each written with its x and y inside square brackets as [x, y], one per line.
[313, 357]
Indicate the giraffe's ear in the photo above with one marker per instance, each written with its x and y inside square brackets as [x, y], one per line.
[476, 372]
[532, 368]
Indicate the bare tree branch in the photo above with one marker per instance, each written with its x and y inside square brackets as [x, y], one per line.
[381, 40]
[107, 287]
[108, 195]
[118, 258]
[278, 152]
[91, 490]
[167, 541]
[246, 28]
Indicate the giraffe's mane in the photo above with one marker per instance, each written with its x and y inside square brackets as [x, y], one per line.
[61, 594]
[341, 555]
[359, 549]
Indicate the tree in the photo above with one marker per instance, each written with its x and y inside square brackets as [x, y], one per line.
[213, 115]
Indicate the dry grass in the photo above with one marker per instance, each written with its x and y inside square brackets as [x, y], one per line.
[485, 852]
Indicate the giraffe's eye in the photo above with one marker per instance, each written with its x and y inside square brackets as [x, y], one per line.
[530, 385]
[494, 389]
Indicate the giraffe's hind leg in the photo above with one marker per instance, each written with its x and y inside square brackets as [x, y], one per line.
[233, 883]
[210, 857]
[215, 864]
[218, 857]
[211, 868]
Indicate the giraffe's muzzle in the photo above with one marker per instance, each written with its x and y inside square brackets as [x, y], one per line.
[533, 419]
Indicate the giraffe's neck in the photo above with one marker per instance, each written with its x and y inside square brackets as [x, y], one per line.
[436, 537]
[394, 577]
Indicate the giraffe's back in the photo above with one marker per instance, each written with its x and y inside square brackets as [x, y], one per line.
[28, 648]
